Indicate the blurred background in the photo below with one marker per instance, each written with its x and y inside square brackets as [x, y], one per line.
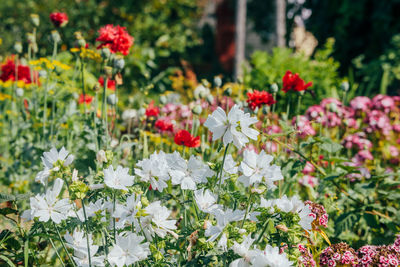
[328, 41]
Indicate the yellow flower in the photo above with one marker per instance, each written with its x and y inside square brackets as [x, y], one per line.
[4, 97]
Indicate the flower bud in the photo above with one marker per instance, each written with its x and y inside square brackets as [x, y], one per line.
[80, 42]
[35, 20]
[74, 175]
[43, 74]
[109, 156]
[197, 109]
[345, 86]
[274, 88]
[282, 227]
[18, 47]
[228, 91]
[108, 71]
[101, 156]
[105, 53]
[210, 99]
[19, 92]
[119, 63]
[31, 38]
[163, 99]
[112, 99]
[265, 110]
[217, 81]
[55, 36]
[129, 114]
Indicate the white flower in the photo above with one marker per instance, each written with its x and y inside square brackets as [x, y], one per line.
[101, 156]
[223, 242]
[50, 159]
[256, 169]
[271, 257]
[244, 250]
[232, 128]
[205, 200]
[157, 221]
[118, 179]
[154, 170]
[47, 206]
[187, 174]
[128, 250]
[229, 168]
[126, 213]
[223, 219]
[91, 210]
[78, 242]
[305, 218]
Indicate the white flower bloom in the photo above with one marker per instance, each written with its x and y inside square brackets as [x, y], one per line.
[49, 159]
[256, 169]
[223, 243]
[305, 218]
[154, 170]
[223, 219]
[232, 128]
[271, 257]
[244, 250]
[205, 200]
[118, 179]
[157, 221]
[91, 210]
[230, 167]
[47, 206]
[187, 174]
[126, 213]
[78, 242]
[128, 249]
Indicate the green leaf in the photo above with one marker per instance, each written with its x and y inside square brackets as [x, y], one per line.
[26, 252]
[329, 146]
[7, 260]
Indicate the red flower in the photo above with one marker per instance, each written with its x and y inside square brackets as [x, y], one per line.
[184, 138]
[110, 83]
[259, 98]
[8, 72]
[85, 99]
[151, 110]
[164, 125]
[294, 82]
[116, 38]
[59, 19]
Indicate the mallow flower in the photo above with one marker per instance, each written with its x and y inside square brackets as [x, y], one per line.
[154, 170]
[156, 221]
[47, 207]
[128, 249]
[205, 200]
[119, 178]
[234, 127]
[257, 169]
[50, 160]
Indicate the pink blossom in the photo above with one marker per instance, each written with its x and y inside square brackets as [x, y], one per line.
[362, 103]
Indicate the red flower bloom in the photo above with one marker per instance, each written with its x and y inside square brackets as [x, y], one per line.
[294, 82]
[116, 38]
[164, 125]
[8, 72]
[259, 98]
[59, 19]
[151, 110]
[184, 138]
[110, 83]
[85, 99]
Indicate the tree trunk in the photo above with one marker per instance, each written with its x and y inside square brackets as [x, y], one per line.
[280, 23]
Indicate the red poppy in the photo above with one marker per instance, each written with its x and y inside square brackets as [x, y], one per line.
[164, 125]
[8, 72]
[151, 110]
[184, 138]
[87, 99]
[116, 38]
[110, 83]
[259, 98]
[294, 82]
[59, 19]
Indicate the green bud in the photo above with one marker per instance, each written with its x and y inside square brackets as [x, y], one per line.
[35, 20]
[197, 109]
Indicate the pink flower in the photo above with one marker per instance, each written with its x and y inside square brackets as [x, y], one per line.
[308, 168]
[383, 102]
[362, 103]
[315, 113]
[303, 125]
[309, 180]
[377, 120]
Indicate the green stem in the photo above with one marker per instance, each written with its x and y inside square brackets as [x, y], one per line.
[83, 84]
[54, 246]
[220, 173]
[262, 232]
[247, 208]
[87, 232]
[63, 245]
[113, 216]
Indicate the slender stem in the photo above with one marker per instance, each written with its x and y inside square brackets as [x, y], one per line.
[220, 172]
[83, 84]
[113, 216]
[262, 233]
[247, 208]
[63, 245]
[55, 248]
[87, 232]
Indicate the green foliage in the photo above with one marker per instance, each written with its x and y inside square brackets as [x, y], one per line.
[267, 69]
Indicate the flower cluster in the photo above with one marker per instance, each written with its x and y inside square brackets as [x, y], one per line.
[319, 213]
[256, 99]
[116, 38]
